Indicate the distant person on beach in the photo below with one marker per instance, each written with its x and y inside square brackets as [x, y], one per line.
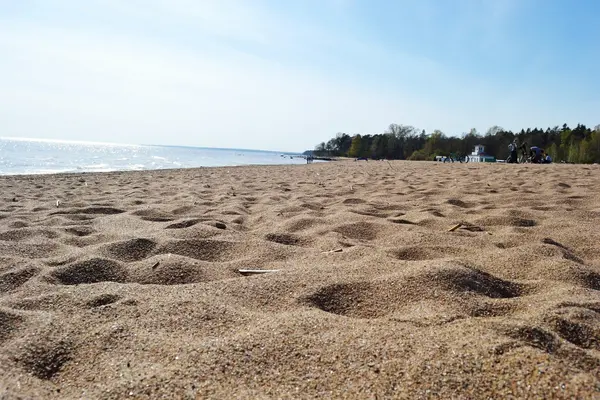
[513, 152]
[523, 148]
[536, 154]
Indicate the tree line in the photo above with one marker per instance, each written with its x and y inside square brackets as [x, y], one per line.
[402, 142]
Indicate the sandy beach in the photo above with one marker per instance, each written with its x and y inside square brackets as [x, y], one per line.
[127, 285]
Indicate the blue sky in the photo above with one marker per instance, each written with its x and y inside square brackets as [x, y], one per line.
[286, 75]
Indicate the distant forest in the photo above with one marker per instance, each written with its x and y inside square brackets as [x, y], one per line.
[402, 142]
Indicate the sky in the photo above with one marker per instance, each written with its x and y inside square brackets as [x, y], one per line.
[287, 75]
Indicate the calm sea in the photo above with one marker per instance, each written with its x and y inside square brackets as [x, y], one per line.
[30, 156]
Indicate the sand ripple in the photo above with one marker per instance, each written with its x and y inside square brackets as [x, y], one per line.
[130, 288]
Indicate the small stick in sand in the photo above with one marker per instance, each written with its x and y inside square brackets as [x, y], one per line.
[455, 227]
[333, 251]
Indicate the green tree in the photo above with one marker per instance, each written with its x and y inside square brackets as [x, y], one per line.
[584, 152]
[375, 144]
[493, 131]
[573, 153]
[433, 143]
[393, 149]
[418, 155]
[356, 146]
[580, 144]
[320, 149]
[553, 152]
[594, 147]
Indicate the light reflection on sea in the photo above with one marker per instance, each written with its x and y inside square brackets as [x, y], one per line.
[29, 156]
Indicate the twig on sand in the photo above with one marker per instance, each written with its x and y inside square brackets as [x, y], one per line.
[333, 251]
[468, 227]
[455, 227]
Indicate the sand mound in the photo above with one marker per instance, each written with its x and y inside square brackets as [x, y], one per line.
[90, 271]
[302, 223]
[9, 322]
[505, 221]
[415, 253]
[206, 250]
[458, 203]
[353, 201]
[586, 278]
[565, 251]
[567, 332]
[44, 359]
[371, 212]
[471, 280]
[130, 250]
[374, 299]
[18, 224]
[154, 215]
[359, 230]
[580, 328]
[536, 337]
[557, 269]
[103, 300]
[24, 234]
[82, 230]
[183, 224]
[178, 270]
[401, 221]
[100, 210]
[30, 249]
[284, 238]
[11, 280]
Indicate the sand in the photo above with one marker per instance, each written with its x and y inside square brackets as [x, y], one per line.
[126, 285]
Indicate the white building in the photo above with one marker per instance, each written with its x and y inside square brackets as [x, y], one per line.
[478, 155]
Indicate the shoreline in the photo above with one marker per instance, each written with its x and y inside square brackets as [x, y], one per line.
[58, 174]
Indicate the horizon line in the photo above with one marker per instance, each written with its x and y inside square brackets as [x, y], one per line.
[84, 142]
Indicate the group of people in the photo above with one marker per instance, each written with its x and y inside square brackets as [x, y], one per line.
[534, 154]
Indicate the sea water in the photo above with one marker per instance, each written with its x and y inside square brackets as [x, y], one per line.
[31, 156]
